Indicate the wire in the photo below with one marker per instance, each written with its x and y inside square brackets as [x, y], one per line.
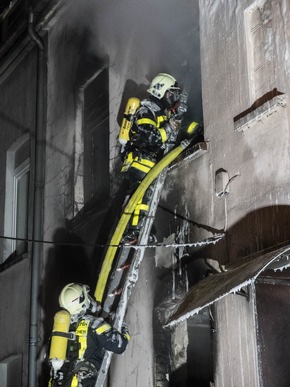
[209, 240]
[225, 191]
[49, 242]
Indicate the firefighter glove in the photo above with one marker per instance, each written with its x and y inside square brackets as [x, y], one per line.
[182, 107]
[85, 370]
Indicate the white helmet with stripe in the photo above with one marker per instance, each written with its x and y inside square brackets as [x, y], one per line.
[75, 299]
[161, 83]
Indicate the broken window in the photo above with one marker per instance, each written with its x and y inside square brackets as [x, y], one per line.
[96, 138]
[92, 179]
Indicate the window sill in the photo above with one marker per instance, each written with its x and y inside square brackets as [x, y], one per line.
[265, 110]
[191, 154]
[12, 260]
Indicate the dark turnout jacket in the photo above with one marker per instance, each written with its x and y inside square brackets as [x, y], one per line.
[95, 335]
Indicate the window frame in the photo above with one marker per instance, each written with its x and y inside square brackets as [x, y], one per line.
[260, 52]
[81, 195]
[13, 177]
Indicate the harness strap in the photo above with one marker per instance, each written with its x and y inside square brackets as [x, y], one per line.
[82, 333]
[163, 134]
[69, 335]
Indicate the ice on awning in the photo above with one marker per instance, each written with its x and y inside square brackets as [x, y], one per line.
[216, 286]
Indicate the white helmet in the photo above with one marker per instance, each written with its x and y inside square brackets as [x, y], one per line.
[75, 299]
[161, 83]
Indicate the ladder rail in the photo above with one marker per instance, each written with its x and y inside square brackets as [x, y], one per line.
[156, 175]
[132, 275]
[126, 215]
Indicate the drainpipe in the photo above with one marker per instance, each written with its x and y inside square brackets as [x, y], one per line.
[38, 203]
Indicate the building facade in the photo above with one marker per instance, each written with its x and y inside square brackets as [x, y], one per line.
[65, 76]
[240, 187]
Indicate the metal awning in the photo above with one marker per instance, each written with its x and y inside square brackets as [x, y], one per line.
[216, 286]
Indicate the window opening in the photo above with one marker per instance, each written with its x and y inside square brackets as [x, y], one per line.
[17, 197]
[92, 179]
[96, 139]
[20, 216]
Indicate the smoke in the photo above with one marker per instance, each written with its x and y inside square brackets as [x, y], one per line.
[142, 38]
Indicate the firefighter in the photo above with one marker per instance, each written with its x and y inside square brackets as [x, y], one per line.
[155, 126]
[84, 339]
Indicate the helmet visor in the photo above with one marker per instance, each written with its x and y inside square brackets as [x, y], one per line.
[172, 96]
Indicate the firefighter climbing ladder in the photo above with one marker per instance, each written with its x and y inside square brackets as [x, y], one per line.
[113, 290]
[126, 215]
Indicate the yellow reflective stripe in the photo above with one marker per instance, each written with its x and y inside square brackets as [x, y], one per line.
[125, 168]
[103, 328]
[74, 382]
[143, 164]
[127, 336]
[160, 120]
[192, 127]
[135, 220]
[147, 162]
[127, 162]
[163, 134]
[129, 157]
[141, 167]
[147, 121]
[140, 207]
[82, 333]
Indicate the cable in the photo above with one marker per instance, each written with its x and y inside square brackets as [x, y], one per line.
[213, 239]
